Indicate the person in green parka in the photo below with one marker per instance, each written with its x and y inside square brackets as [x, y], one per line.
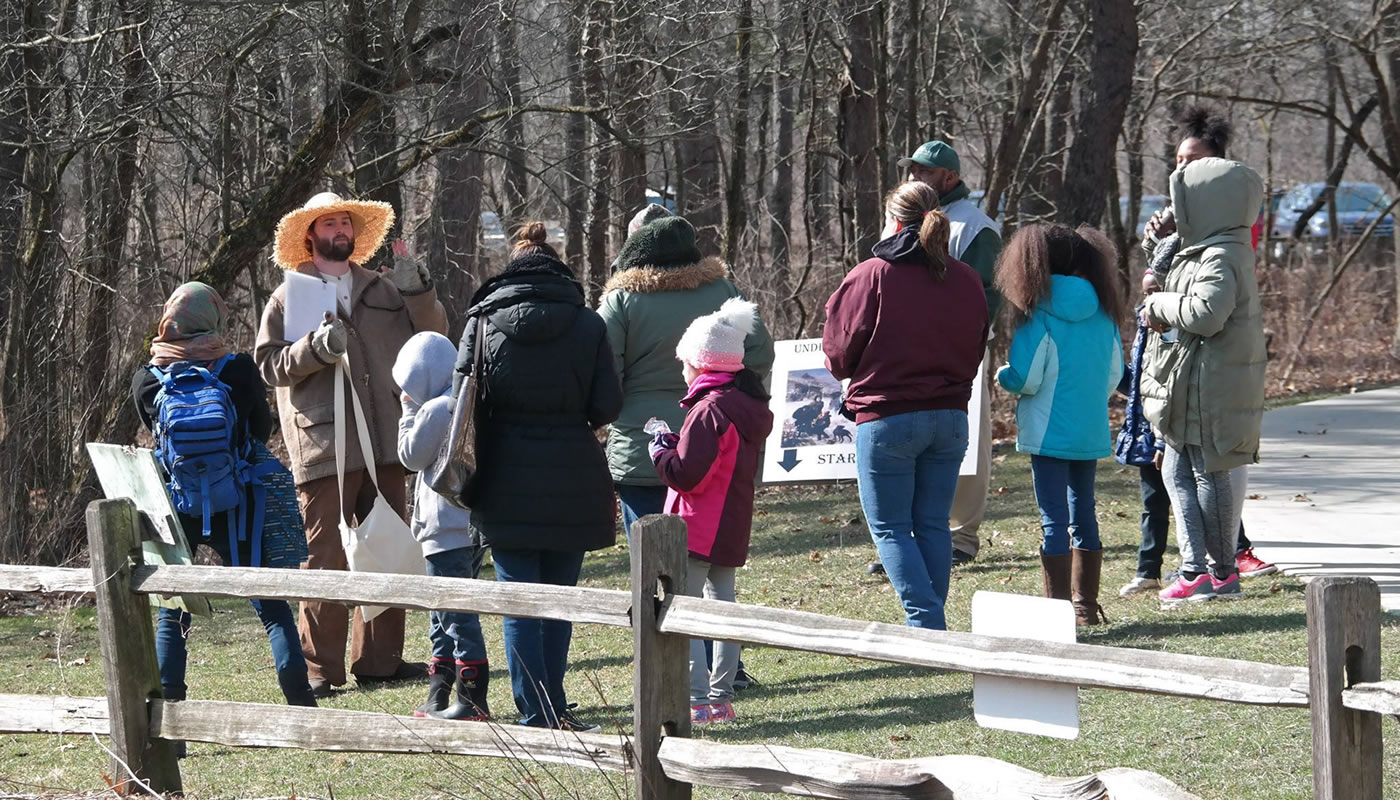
[1203, 371]
[660, 285]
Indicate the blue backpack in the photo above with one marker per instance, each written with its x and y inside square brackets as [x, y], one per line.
[197, 443]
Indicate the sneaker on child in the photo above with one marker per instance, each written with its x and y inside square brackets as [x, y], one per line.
[722, 712]
[1183, 590]
[1228, 589]
[1251, 566]
[1139, 586]
[700, 713]
[743, 680]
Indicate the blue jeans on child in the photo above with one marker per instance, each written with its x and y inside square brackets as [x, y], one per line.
[537, 650]
[455, 634]
[908, 470]
[1064, 490]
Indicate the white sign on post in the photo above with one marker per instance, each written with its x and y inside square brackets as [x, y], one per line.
[133, 472]
[1014, 704]
[811, 441]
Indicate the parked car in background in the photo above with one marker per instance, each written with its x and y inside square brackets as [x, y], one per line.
[1357, 204]
[664, 198]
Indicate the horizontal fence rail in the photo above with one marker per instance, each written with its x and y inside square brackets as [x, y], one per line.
[761, 768]
[1341, 684]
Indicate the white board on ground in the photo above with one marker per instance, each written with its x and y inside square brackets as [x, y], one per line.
[1010, 704]
[308, 299]
[811, 441]
[133, 472]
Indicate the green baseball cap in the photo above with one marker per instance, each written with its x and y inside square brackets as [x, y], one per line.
[934, 154]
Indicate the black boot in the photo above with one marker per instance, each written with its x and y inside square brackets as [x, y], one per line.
[472, 679]
[439, 688]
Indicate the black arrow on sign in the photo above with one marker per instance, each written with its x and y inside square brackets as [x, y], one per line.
[789, 460]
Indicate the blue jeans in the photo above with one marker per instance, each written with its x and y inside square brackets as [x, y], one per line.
[1064, 490]
[455, 634]
[908, 470]
[638, 502]
[173, 627]
[537, 650]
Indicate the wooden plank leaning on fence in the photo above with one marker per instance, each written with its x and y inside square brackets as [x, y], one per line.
[660, 663]
[1344, 648]
[126, 641]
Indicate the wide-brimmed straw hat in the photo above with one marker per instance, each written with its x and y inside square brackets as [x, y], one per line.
[372, 220]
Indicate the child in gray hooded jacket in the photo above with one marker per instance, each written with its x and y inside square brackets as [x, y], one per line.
[423, 370]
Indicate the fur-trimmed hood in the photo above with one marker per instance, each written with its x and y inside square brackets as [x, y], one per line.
[669, 279]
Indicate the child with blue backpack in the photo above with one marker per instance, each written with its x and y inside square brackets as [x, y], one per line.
[423, 371]
[1065, 360]
[208, 411]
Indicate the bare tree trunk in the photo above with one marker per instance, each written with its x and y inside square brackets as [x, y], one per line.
[576, 139]
[517, 189]
[859, 126]
[780, 197]
[736, 215]
[1109, 86]
[595, 90]
[1005, 162]
[632, 70]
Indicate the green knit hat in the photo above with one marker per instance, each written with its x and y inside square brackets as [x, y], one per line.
[934, 154]
[665, 242]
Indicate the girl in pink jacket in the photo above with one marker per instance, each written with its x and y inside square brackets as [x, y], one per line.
[710, 470]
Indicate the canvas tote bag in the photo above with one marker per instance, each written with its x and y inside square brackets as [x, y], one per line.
[453, 475]
[382, 542]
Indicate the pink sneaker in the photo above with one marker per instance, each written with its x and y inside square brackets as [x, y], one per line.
[1184, 591]
[1251, 566]
[701, 713]
[722, 712]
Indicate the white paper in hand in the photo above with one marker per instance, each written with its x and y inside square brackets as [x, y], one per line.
[1012, 704]
[309, 298]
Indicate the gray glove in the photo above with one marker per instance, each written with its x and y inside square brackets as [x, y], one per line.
[409, 276]
[329, 341]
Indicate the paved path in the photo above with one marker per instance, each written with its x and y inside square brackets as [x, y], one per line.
[1328, 490]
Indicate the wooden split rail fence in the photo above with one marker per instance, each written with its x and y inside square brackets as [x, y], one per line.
[1342, 684]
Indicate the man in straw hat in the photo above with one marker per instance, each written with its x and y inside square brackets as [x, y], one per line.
[378, 311]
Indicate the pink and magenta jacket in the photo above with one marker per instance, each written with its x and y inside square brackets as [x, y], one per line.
[712, 471]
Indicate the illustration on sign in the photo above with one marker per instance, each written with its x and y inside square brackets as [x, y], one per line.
[811, 441]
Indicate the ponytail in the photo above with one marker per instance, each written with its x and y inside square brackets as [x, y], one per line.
[933, 235]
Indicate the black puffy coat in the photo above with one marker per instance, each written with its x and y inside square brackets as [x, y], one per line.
[550, 382]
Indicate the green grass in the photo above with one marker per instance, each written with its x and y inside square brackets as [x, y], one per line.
[809, 552]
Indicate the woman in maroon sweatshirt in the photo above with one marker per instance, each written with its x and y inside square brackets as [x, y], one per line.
[908, 328]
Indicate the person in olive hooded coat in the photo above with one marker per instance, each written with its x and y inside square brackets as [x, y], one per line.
[544, 496]
[661, 285]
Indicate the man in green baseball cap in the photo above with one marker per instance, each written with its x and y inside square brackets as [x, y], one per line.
[936, 164]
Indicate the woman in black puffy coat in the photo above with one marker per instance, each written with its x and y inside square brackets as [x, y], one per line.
[544, 495]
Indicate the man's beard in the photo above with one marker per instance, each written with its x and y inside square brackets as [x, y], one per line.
[338, 248]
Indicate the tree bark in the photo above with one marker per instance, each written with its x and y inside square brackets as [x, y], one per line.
[576, 140]
[859, 111]
[517, 189]
[1108, 87]
[780, 197]
[600, 178]
[736, 212]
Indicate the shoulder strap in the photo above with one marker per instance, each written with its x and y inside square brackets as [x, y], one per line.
[218, 366]
[479, 348]
[342, 377]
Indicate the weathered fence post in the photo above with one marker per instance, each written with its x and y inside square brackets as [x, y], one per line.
[1344, 648]
[128, 647]
[660, 663]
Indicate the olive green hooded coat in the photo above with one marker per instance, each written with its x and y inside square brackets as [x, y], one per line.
[1206, 388]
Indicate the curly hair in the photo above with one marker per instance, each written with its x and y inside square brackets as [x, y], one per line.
[1036, 252]
[1206, 124]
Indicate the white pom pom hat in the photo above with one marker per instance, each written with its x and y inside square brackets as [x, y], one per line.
[715, 342]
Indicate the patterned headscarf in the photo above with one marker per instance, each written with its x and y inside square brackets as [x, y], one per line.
[191, 326]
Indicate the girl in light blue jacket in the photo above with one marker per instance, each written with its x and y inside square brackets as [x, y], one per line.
[1066, 358]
